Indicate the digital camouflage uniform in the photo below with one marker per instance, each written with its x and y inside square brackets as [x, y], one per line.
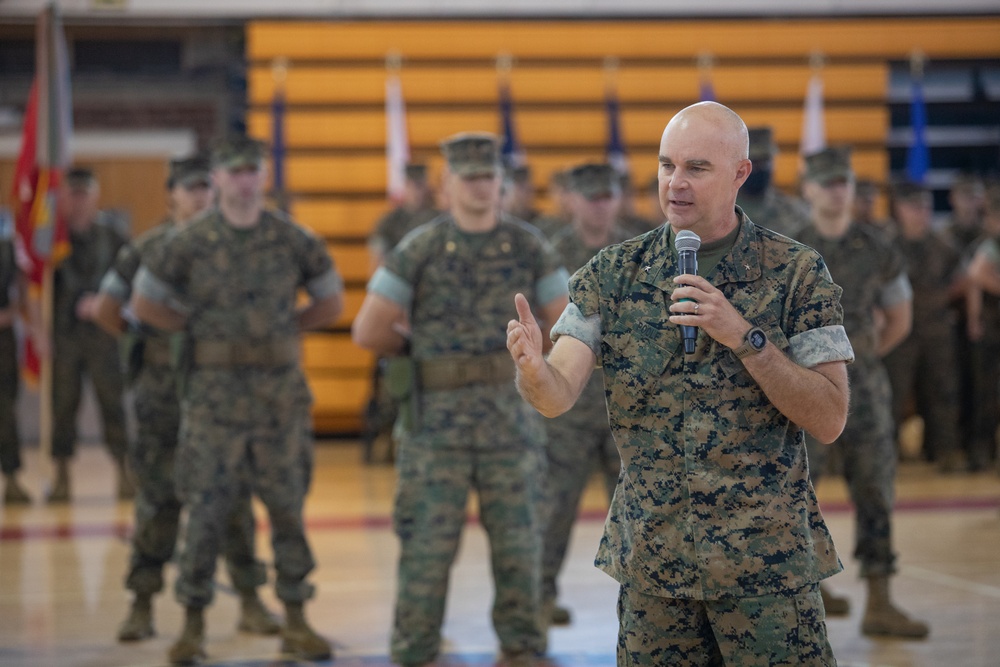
[82, 347]
[715, 502]
[458, 289]
[923, 366]
[776, 211]
[397, 223]
[146, 354]
[245, 402]
[872, 275]
[578, 441]
[987, 359]
[10, 442]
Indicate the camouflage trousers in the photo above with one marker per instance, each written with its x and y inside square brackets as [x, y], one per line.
[250, 424]
[573, 450]
[157, 507]
[868, 452]
[10, 440]
[762, 631]
[924, 367]
[87, 350]
[430, 512]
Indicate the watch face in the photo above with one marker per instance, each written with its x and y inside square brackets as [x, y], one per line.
[757, 339]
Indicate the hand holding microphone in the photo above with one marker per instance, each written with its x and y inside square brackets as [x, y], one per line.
[687, 243]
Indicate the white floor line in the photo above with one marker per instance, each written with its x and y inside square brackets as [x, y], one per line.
[933, 577]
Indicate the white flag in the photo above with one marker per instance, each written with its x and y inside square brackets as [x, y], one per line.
[397, 143]
[813, 126]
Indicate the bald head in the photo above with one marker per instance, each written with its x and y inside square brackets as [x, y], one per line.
[703, 162]
[732, 131]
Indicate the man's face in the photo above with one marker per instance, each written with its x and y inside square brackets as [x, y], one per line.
[914, 215]
[190, 200]
[699, 175]
[240, 187]
[474, 195]
[830, 198]
[967, 202]
[597, 215]
[78, 206]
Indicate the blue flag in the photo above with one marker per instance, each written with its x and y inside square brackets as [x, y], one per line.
[615, 148]
[918, 158]
[510, 150]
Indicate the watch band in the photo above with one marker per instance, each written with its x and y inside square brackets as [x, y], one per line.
[753, 343]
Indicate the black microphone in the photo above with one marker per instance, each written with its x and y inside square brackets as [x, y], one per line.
[687, 243]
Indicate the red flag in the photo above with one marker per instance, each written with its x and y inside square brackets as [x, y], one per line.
[42, 238]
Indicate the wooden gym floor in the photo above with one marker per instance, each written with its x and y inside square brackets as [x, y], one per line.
[62, 597]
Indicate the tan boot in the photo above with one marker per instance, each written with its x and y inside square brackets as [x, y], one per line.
[60, 492]
[835, 605]
[189, 647]
[13, 492]
[139, 623]
[883, 619]
[255, 618]
[300, 640]
[126, 489]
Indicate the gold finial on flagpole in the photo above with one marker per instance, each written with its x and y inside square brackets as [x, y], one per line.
[918, 60]
[505, 63]
[817, 60]
[279, 70]
[393, 61]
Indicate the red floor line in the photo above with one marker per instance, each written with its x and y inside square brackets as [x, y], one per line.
[122, 530]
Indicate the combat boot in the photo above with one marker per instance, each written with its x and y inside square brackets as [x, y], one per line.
[883, 619]
[517, 659]
[835, 605]
[139, 623]
[126, 489]
[300, 640]
[560, 616]
[189, 647]
[254, 616]
[61, 488]
[13, 492]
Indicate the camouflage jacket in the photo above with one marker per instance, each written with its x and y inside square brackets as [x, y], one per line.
[8, 272]
[459, 288]
[715, 498]
[872, 274]
[238, 284]
[776, 211]
[590, 408]
[397, 223]
[91, 255]
[932, 264]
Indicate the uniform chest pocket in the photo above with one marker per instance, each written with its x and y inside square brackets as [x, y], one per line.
[642, 352]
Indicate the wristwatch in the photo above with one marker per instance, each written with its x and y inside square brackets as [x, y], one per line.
[753, 342]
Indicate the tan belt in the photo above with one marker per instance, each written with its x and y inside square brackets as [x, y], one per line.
[454, 372]
[155, 352]
[227, 354]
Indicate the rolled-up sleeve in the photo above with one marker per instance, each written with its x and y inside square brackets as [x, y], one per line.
[820, 346]
[391, 286]
[896, 291]
[585, 329]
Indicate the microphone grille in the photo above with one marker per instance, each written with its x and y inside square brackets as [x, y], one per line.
[687, 240]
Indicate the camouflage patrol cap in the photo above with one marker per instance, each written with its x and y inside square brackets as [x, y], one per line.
[520, 174]
[829, 164]
[238, 151]
[472, 153]
[762, 146]
[189, 171]
[416, 172]
[80, 178]
[594, 180]
[909, 191]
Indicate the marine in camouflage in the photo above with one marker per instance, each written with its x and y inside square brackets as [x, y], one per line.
[715, 499]
[458, 289]
[81, 347]
[241, 421]
[151, 453]
[871, 272]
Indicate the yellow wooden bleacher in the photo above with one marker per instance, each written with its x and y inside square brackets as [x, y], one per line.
[335, 127]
